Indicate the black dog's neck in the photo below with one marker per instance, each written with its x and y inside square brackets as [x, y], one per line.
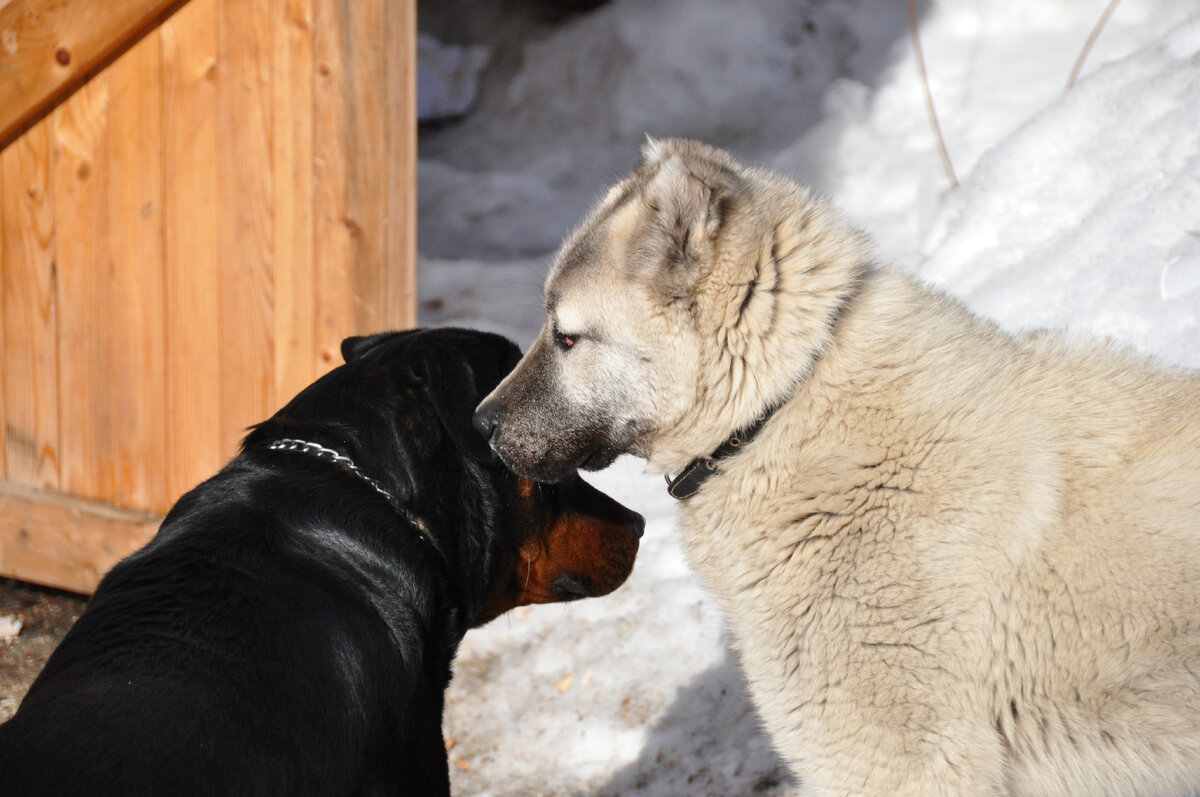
[347, 463]
[422, 522]
[323, 452]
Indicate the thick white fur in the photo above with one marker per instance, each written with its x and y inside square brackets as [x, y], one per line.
[955, 561]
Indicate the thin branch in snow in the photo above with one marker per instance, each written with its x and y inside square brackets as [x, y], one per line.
[912, 16]
[1087, 47]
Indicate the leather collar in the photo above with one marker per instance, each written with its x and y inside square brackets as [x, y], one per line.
[700, 469]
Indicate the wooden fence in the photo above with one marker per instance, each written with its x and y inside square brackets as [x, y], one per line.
[198, 201]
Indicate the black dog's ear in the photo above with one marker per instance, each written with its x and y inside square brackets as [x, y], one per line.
[358, 345]
[452, 388]
[457, 379]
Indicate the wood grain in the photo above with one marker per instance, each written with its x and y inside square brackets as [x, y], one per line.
[28, 310]
[334, 226]
[133, 322]
[245, 176]
[184, 242]
[66, 542]
[364, 118]
[400, 266]
[190, 91]
[292, 155]
[110, 285]
[3, 414]
[48, 48]
[365, 148]
[82, 229]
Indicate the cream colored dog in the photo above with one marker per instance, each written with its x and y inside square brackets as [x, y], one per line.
[955, 561]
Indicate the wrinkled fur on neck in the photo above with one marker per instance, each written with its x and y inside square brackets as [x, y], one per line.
[778, 268]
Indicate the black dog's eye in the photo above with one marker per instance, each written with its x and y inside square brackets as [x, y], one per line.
[563, 340]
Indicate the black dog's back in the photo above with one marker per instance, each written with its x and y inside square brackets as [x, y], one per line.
[233, 656]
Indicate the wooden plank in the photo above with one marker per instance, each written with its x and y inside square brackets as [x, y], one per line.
[365, 151]
[245, 194]
[292, 153]
[29, 368]
[65, 542]
[49, 48]
[111, 296]
[3, 414]
[400, 266]
[333, 248]
[134, 162]
[190, 252]
[80, 189]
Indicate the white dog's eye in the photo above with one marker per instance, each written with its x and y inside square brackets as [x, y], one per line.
[563, 340]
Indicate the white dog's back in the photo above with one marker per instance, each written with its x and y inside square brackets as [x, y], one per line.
[958, 562]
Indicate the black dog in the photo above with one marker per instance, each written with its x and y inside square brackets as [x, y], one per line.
[290, 629]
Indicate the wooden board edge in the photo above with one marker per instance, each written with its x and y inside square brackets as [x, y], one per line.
[54, 81]
[62, 541]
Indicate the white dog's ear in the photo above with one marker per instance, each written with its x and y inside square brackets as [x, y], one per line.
[652, 149]
[683, 205]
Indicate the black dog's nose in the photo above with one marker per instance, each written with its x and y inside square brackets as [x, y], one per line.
[484, 419]
[639, 525]
[573, 586]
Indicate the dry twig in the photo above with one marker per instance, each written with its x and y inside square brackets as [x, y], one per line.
[912, 16]
[1087, 47]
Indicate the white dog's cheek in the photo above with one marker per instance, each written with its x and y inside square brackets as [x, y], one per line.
[590, 378]
[579, 382]
[674, 381]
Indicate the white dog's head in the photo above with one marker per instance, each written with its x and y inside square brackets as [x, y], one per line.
[668, 323]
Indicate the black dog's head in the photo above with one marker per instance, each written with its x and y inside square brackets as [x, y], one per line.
[401, 408]
[572, 542]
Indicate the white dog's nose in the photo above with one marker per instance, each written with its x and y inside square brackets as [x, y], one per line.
[484, 419]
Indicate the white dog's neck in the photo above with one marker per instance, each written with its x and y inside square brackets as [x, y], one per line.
[777, 316]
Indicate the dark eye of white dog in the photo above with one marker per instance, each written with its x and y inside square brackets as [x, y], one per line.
[563, 340]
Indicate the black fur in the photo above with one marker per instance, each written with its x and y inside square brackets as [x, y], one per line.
[289, 631]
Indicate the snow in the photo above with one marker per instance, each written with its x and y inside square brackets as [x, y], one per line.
[10, 627]
[1076, 209]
